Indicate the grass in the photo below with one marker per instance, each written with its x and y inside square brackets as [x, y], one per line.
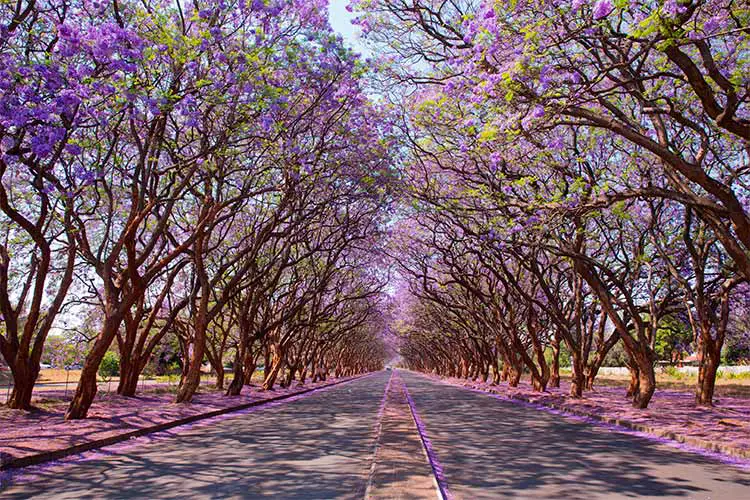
[47, 376]
[734, 376]
[53, 375]
[58, 375]
[727, 384]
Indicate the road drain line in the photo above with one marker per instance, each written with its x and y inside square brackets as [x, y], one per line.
[437, 468]
[378, 432]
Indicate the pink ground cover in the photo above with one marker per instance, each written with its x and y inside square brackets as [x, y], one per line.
[727, 423]
[28, 433]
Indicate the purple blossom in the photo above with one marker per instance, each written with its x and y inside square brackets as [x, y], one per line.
[557, 143]
[545, 76]
[602, 8]
[712, 24]
[266, 122]
[41, 146]
[673, 8]
[73, 149]
[495, 160]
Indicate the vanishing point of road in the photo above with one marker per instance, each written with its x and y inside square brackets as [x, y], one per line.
[389, 435]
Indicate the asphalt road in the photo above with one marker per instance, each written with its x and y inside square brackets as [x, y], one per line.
[317, 447]
[322, 446]
[494, 449]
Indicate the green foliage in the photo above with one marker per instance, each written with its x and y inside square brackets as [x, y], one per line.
[110, 366]
[723, 374]
[564, 356]
[673, 339]
[174, 368]
[737, 347]
[673, 372]
[616, 356]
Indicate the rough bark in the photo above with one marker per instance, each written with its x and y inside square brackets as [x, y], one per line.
[86, 389]
[554, 380]
[24, 378]
[276, 365]
[129, 374]
[577, 377]
[711, 358]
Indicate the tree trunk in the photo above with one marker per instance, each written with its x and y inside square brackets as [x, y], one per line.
[290, 376]
[249, 372]
[495, 373]
[129, 374]
[642, 380]
[266, 360]
[539, 376]
[554, 380]
[602, 349]
[24, 378]
[646, 387]
[485, 372]
[192, 381]
[634, 384]
[704, 394]
[235, 387]
[577, 379]
[219, 368]
[193, 377]
[250, 366]
[591, 372]
[276, 364]
[86, 389]
[538, 382]
[514, 377]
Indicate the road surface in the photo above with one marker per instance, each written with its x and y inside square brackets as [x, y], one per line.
[495, 449]
[354, 441]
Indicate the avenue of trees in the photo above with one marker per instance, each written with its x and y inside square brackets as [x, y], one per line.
[550, 179]
[206, 171]
[579, 178]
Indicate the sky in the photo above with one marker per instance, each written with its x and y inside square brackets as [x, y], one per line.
[341, 23]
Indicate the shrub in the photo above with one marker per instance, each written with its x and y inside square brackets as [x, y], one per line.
[616, 356]
[110, 366]
[673, 372]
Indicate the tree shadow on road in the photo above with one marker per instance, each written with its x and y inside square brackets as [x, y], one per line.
[494, 449]
[315, 447]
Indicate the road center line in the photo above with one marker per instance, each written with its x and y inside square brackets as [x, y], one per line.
[378, 432]
[437, 468]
